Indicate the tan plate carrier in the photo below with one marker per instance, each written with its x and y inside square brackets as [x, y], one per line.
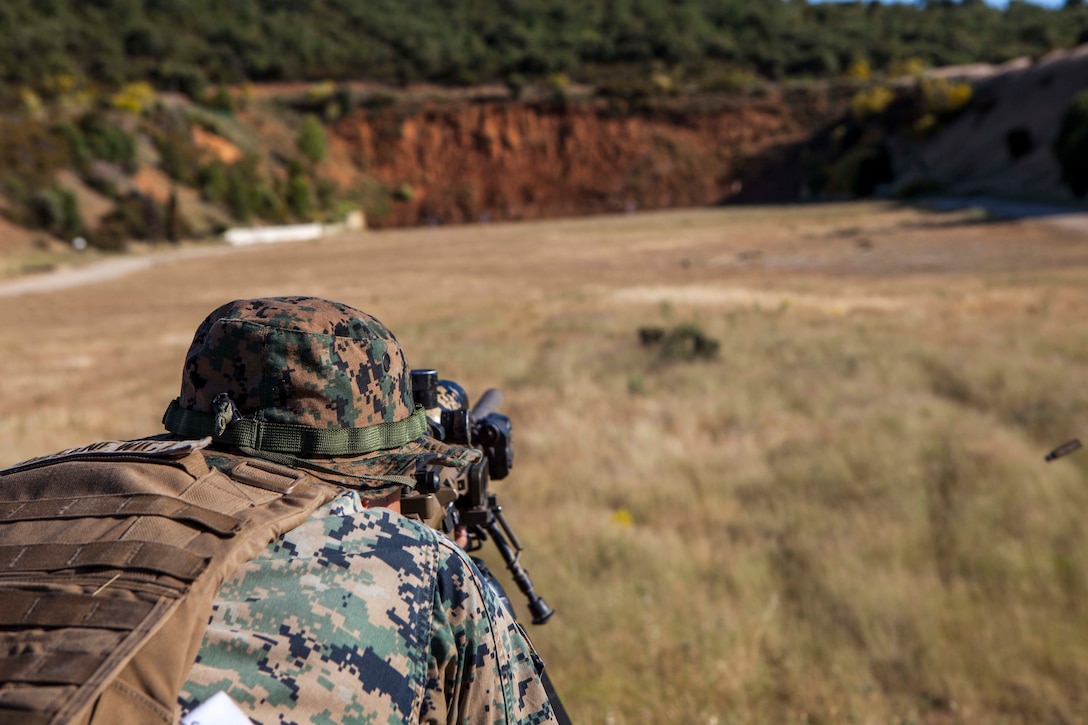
[110, 558]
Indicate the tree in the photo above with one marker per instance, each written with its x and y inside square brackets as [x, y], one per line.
[299, 197]
[311, 139]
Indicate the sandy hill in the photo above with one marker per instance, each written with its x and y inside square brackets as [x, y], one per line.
[1001, 145]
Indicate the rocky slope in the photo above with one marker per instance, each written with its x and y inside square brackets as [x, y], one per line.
[500, 159]
[437, 156]
[506, 160]
[1001, 146]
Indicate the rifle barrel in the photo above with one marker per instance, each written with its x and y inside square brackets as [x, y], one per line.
[488, 403]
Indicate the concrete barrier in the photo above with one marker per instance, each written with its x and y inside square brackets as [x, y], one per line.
[292, 232]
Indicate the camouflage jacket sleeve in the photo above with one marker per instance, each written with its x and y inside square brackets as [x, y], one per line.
[363, 616]
[482, 667]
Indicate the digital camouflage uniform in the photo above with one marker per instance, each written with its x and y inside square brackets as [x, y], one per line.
[386, 622]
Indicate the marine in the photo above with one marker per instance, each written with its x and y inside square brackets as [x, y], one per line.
[254, 554]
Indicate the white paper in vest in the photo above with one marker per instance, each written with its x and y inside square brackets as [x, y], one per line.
[218, 709]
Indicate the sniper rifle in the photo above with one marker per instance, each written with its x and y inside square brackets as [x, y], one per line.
[455, 501]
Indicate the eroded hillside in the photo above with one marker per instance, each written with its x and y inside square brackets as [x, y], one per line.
[504, 160]
[170, 169]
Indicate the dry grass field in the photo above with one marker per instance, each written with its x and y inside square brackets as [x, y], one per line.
[843, 517]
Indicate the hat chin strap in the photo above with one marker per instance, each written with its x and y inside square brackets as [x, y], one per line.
[228, 427]
[295, 462]
[287, 443]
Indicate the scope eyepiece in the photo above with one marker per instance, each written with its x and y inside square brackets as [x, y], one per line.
[494, 435]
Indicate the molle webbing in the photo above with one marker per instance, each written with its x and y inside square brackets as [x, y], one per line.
[109, 565]
[135, 504]
[302, 440]
[142, 556]
[57, 609]
[63, 668]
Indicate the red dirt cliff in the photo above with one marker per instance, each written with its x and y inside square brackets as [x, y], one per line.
[508, 161]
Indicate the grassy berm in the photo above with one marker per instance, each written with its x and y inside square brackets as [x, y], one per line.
[841, 515]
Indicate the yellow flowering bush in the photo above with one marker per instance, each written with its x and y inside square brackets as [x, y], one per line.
[871, 102]
[134, 97]
[941, 96]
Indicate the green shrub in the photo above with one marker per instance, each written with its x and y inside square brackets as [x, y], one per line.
[240, 197]
[71, 221]
[107, 141]
[859, 171]
[270, 204]
[31, 151]
[221, 100]
[184, 77]
[44, 209]
[242, 193]
[326, 193]
[110, 236]
[101, 183]
[212, 180]
[178, 155]
[176, 226]
[299, 196]
[311, 139]
[1071, 145]
[56, 211]
[14, 187]
[136, 216]
[684, 342]
[77, 143]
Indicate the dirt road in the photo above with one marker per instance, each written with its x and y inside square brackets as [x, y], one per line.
[1052, 216]
[103, 270]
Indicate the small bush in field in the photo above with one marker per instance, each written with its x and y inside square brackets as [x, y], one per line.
[683, 342]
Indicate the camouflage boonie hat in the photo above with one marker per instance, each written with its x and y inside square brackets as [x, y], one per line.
[291, 378]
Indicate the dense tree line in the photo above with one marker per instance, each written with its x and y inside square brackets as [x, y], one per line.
[188, 44]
